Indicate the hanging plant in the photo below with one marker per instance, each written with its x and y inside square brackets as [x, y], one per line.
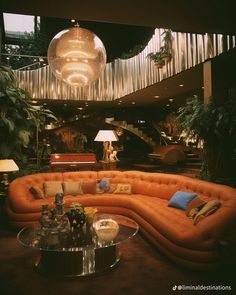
[157, 59]
[164, 55]
[166, 49]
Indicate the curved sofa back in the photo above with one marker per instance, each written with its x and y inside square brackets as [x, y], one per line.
[152, 184]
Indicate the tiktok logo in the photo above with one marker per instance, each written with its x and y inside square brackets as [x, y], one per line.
[174, 288]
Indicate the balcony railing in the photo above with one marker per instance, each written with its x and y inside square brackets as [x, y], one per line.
[124, 76]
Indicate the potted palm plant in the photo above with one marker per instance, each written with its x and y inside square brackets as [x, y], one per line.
[215, 124]
[18, 117]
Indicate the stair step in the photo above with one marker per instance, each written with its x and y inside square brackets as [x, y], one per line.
[193, 164]
[192, 155]
[193, 161]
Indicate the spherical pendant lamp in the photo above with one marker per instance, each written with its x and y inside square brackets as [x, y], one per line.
[76, 56]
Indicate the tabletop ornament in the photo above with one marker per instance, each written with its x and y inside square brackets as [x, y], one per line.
[60, 229]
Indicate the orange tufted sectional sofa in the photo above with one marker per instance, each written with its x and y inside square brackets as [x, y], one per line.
[173, 233]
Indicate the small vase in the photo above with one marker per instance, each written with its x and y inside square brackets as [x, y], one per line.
[76, 218]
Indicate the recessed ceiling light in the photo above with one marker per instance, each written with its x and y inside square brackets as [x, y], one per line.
[156, 96]
[133, 102]
[168, 105]
[73, 20]
[202, 87]
[80, 109]
[181, 85]
[171, 99]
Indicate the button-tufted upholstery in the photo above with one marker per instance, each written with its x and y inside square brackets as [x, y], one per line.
[168, 228]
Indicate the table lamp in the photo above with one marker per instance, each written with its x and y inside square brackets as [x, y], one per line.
[7, 165]
[106, 136]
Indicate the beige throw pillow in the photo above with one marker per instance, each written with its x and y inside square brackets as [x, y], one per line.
[51, 188]
[72, 188]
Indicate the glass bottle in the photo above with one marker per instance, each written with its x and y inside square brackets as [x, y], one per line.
[44, 219]
[60, 216]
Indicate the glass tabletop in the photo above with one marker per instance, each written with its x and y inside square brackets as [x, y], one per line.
[106, 230]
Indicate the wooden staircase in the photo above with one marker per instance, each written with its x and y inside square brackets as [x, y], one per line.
[131, 128]
[193, 162]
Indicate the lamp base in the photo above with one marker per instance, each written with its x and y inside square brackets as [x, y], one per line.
[109, 153]
[108, 165]
[4, 182]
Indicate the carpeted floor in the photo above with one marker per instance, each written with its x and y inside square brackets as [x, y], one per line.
[142, 270]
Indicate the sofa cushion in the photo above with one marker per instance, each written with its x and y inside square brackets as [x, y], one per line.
[123, 188]
[104, 184]
[37, 192]
[208, 209]
[181, 199]
[194, 207]
[89, 187]
[51, 188]
[112, 188]
[72, 188]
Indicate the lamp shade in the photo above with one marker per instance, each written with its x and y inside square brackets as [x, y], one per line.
[106, 135]
[8, 165]
[76, 56]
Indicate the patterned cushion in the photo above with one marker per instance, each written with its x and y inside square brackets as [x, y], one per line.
[37, 192]
[112, 188]
[103, 185]
[209, 208]
[194, 206]
[123, 188]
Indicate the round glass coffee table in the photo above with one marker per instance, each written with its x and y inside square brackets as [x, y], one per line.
[66, 255]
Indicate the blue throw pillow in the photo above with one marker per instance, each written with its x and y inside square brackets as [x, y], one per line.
[104, 184]
[180, 199]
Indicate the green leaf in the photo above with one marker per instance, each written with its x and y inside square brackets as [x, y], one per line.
[8, 123]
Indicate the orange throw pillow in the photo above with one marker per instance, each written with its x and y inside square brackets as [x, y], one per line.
[89, 187]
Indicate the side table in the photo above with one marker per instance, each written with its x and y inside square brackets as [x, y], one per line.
[59, 255]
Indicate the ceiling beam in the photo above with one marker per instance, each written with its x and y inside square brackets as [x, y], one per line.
[188, 16]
